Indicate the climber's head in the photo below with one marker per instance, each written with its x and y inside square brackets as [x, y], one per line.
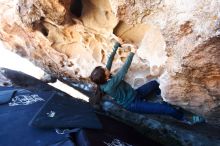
[100, 75]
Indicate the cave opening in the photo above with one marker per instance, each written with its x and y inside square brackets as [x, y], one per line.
[76, 7]
[44, 30]
[39, 25]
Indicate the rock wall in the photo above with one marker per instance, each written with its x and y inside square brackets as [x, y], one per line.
[178, 41]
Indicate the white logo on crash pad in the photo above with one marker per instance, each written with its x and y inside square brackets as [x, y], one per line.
[25, 100]
[117, 142]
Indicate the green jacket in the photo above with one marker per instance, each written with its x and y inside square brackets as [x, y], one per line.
[116, 87]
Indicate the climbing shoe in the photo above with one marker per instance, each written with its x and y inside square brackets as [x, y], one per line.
[193, 120]
[197, 119]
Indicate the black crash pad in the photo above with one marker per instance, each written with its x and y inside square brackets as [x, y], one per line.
[15, 116]
[6, 94]
[66, 112]
[113, 133]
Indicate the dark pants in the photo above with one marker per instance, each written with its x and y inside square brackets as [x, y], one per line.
[144, 107]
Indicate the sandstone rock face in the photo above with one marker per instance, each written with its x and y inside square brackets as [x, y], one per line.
[178, 42]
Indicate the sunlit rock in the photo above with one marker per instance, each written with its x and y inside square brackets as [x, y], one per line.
[190, 29]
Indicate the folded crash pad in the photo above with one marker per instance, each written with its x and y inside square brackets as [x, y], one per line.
[62, 111]
[15, 116]
[6, 93]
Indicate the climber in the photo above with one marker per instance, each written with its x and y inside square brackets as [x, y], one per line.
[127, 97]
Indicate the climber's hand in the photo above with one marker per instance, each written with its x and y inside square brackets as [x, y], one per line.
[134, 48]
[116, 39]
[120, 40]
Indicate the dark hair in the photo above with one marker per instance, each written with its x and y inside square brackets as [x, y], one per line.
[97, 76]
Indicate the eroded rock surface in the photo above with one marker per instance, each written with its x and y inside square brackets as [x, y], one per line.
[178, 41]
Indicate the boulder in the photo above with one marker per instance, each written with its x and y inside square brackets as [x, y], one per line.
[178, 42]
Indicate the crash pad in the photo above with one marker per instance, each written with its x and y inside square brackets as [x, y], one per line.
[62, 111]
[15, 116]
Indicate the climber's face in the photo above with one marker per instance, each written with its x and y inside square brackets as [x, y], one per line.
[107, 73]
